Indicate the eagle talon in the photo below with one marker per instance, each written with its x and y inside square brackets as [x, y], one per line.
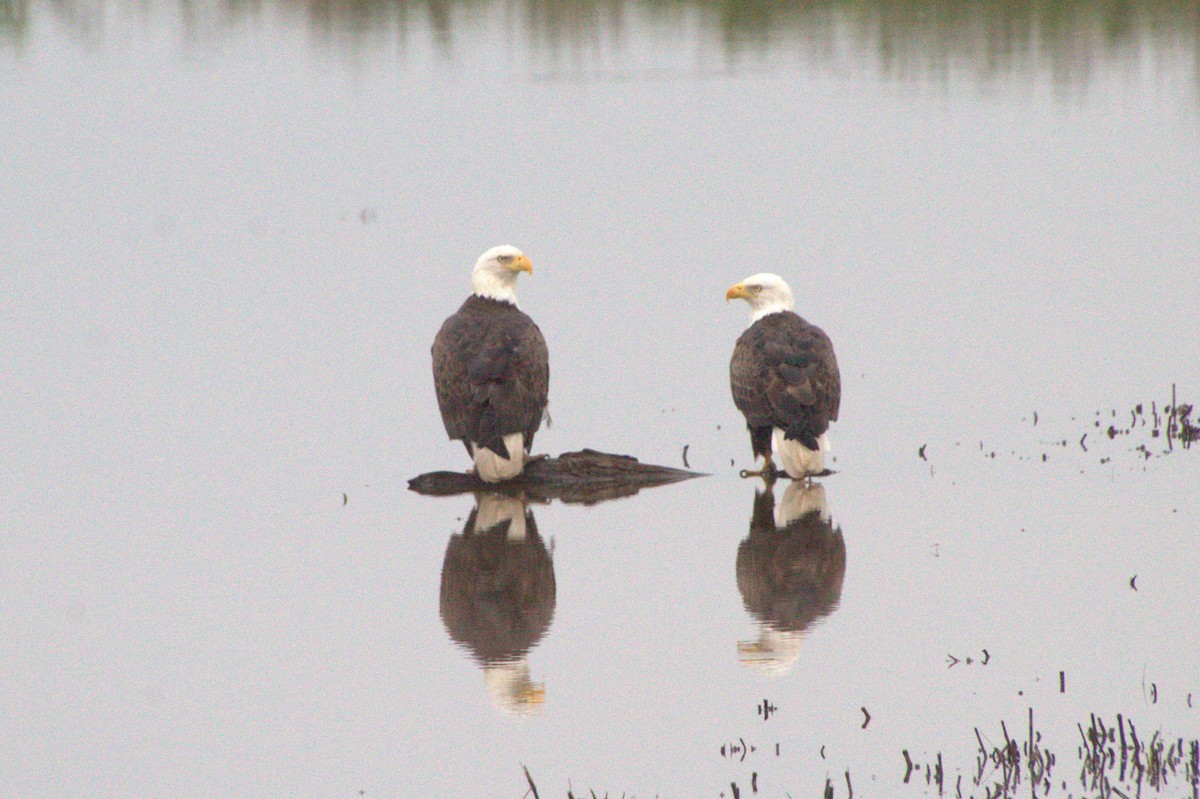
[768, 472]
[768, 476]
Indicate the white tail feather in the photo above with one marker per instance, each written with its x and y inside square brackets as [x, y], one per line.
[798, 460]
[512, 689]
[492, 468]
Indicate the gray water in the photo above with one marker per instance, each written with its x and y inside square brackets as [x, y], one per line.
[230, 232]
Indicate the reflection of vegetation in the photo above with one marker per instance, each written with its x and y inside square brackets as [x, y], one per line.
[1115, 762]
[14, 19]
[902, 39]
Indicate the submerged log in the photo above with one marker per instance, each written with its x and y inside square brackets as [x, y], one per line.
[583, 477]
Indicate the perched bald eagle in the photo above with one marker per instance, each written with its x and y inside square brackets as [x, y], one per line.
[491, 369]
[784, 378]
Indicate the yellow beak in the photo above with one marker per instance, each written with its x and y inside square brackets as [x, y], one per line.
[522, 264]
[736, 291]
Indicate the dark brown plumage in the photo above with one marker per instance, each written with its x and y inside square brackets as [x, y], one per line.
[784, 374]
[491, 371]
[497, 595]
[791, 576]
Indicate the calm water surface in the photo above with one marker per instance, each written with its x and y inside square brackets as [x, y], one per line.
[231, 231]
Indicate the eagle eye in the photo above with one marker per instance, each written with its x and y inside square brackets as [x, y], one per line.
[504, 258]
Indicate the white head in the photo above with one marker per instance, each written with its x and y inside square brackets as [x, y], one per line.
[495, 274]
[510, 685]
[774, 653]
[766, 293]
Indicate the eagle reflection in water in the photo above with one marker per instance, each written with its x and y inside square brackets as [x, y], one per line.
[789, 571]
[498, 595]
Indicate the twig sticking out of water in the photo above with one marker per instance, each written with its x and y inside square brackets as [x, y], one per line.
[529, 779]
[1039, 760]
[1171, 418]
[1179, 424]
[1115, 764]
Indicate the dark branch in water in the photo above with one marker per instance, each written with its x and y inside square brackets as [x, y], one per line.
[583, 477]
[532, 787]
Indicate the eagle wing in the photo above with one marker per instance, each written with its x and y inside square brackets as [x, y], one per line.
[784, 374]
[491, 371]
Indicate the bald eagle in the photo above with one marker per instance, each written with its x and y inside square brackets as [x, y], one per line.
[784, 378]
[491, 369]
